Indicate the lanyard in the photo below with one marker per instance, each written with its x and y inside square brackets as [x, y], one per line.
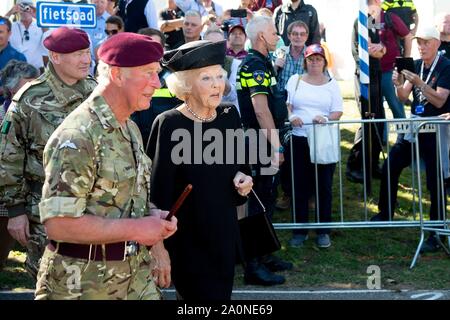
[436, 59]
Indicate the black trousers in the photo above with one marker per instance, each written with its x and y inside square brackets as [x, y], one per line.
[305, 185]
[399, 158]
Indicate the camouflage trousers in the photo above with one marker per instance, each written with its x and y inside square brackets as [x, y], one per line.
[35, 247]
[65, 278]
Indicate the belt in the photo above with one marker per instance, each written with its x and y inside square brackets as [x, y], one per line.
[113, 251]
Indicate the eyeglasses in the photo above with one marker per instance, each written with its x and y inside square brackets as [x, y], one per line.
[111, 32]
[26, 35]
[296, 34]
[315, 58]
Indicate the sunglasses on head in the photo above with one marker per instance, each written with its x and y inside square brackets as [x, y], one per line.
[111, 32]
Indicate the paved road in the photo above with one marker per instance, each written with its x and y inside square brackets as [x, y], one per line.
[250, 293]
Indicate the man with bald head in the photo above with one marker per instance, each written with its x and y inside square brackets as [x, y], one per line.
[35, 112]
[95, 200]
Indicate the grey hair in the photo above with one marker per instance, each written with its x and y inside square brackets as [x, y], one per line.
[257, 25]
[16, 70]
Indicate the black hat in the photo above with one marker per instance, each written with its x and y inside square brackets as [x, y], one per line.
[194, 55]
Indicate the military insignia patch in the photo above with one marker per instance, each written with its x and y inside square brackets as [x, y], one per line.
[68, 144]
[6, 126]
[258, 76]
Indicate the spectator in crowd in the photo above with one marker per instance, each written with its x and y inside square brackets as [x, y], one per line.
[96, 169]
[192, 26]
[13, 77]
[443, 25]
[312, 98]
[262, 107]
[171, 23]
[97, 34]
[26, 36]
[376, 51]
[162, 99]
[289, 60]
[203, 251]
[430, 87]
[269, 4]
[7, 52]
[231, 65]
[138, 14]
[294, 10]
[33, 116]
[392, 31]
[236, 42]
[405, 10]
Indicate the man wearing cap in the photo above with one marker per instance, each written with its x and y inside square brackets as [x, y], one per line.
[430, 86]
[95, 200]
[236, 42]
[35, 112]
[262, 107]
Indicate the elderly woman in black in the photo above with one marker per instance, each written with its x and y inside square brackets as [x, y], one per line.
[191, 145]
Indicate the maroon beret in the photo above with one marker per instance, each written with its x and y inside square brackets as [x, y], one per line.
[66, 40]
[127, 49]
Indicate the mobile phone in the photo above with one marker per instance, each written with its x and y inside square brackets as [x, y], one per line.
[179, 202]
[238, 13]
[404, 64]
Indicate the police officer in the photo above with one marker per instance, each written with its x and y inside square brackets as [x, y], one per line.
[37, 109]
[95, 200]
[262, 107]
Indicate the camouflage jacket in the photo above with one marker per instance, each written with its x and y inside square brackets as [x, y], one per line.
[36, 111]
[95, 166]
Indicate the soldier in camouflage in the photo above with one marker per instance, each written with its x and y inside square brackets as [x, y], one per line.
[95, 202]
[36, 111]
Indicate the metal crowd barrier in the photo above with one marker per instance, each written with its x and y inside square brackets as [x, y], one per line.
[401, 126]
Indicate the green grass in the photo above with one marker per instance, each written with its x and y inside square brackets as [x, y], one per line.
[343, 265]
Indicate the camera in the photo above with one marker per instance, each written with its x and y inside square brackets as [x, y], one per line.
[238, 13]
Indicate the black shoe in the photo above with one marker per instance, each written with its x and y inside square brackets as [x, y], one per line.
[379, 217]
[355, 176]
[430, 245]
[274, 264]
[261, 276]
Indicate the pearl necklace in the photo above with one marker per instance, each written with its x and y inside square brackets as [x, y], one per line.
[198, 117]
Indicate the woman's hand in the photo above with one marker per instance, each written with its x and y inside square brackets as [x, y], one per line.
[243, 184]
[397, 78]
[320, 119]
[296, 121]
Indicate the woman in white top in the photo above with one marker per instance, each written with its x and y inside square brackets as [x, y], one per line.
[312, 98]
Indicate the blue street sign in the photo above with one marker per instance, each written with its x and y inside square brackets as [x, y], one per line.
[52, 14]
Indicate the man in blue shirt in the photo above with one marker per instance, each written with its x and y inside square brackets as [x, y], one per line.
[7, 52]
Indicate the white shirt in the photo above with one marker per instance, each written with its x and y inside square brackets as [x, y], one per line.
[310, 100]
[33, 48]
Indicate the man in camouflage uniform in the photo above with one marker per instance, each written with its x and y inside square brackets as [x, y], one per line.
[36, 111]
[95, 201]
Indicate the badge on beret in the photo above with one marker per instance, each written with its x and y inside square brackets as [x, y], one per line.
[258, 76]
